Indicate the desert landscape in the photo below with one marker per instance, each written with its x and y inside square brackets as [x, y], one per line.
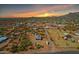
[30, 33]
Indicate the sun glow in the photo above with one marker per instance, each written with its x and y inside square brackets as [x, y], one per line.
[35, 14]
[44, 15]
[49, 14]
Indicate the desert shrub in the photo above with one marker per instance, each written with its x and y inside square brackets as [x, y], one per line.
[14, 48]
[73, 41]
[78, 47]
[67, 44]
[1, 49]
[21, 48]
[38, 46]
[24, 44]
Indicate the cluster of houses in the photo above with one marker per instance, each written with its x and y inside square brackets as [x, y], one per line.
[34, 26]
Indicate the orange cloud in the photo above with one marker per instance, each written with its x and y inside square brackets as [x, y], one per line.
[36, 14]
[41, 12]
[28, 14]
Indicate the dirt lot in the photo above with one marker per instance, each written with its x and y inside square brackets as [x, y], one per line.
[59, 41]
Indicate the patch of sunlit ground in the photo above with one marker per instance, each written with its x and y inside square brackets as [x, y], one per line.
[59, 41]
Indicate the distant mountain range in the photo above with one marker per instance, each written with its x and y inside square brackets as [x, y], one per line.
[60, 19]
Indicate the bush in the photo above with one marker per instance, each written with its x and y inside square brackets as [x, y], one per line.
[14, 48]
[78, 47]
[21, 48]
[38, 46]
[73, 41]
[67, 44]
[28, 43]
[1, 49]
[24, 44]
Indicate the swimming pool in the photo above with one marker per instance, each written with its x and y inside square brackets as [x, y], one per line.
[3, 38]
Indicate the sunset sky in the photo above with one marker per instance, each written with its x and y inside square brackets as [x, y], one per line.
[36, 10]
